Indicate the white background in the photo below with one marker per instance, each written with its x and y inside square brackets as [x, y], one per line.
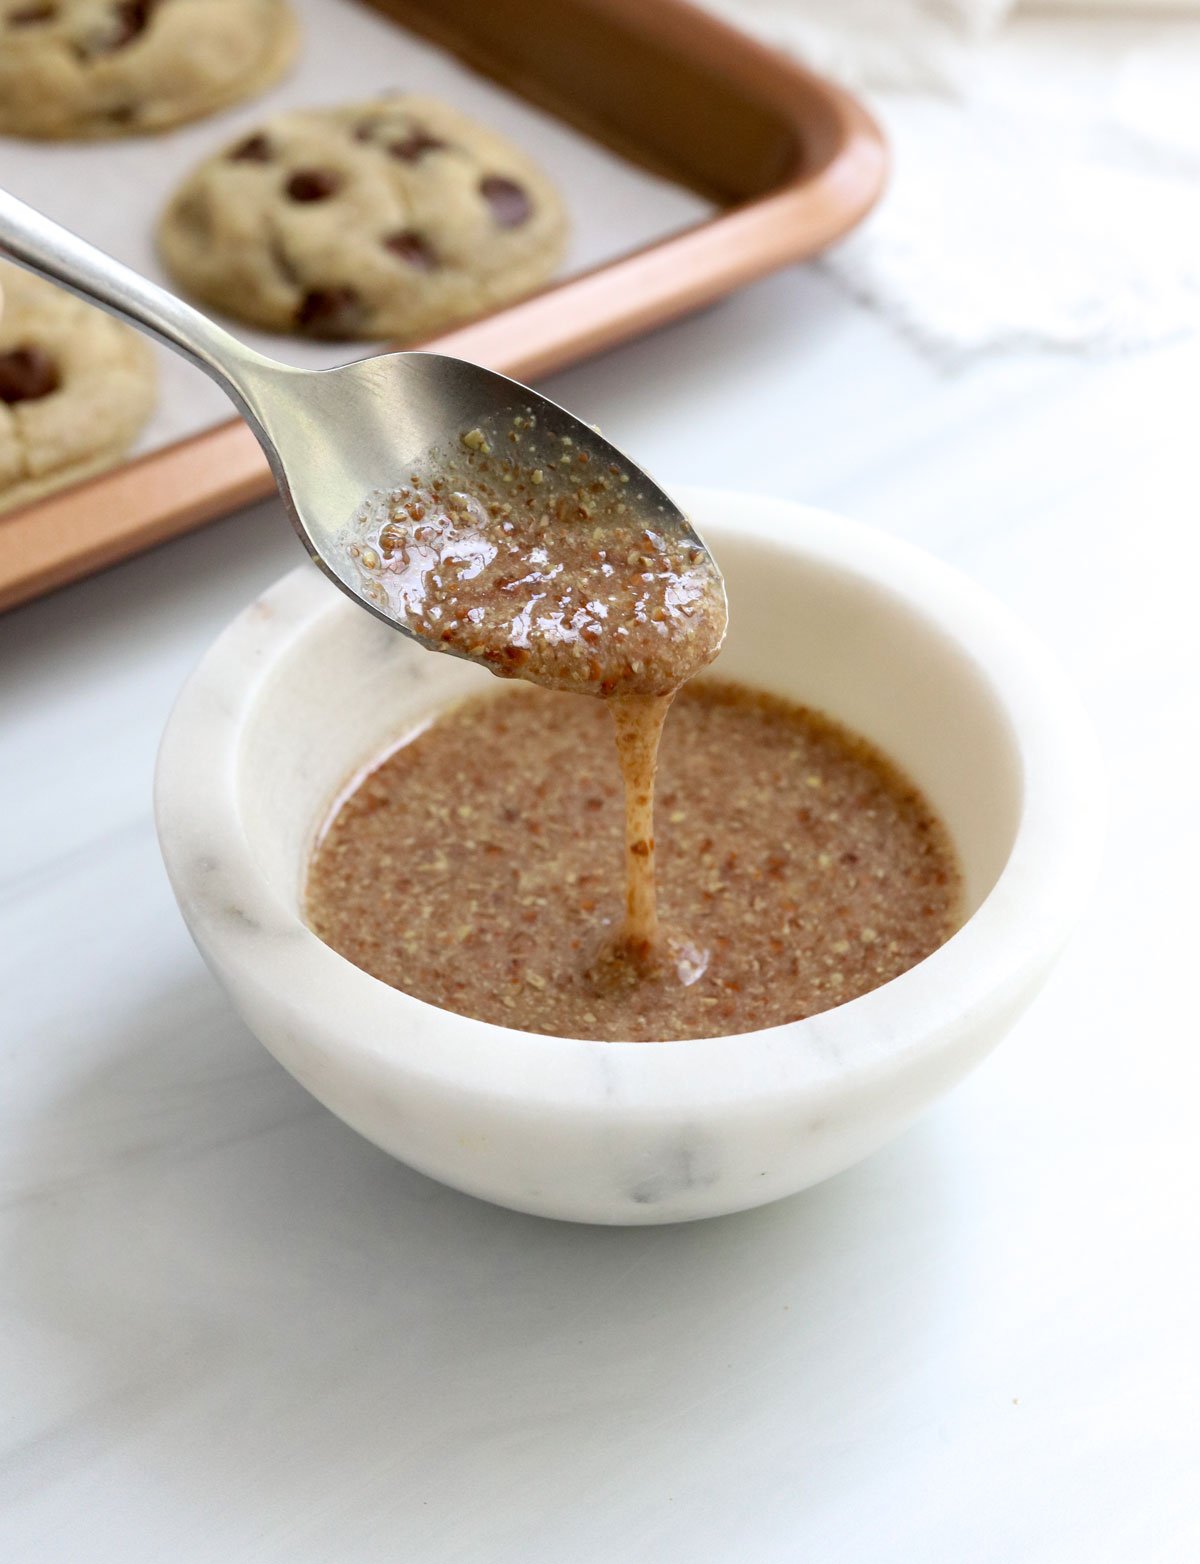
[233, 1331]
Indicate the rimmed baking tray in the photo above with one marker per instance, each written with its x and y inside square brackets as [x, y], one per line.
[783, 162]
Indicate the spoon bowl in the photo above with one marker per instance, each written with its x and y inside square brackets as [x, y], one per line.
[336, 436]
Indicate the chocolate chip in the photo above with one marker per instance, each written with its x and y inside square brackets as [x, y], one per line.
[27, 373]
[330, 312]
[412, 248]
[31, 15]
[415, 145]
[314, 184]
[365, 129]
[126, 19]
[132, 17]
[509, 201]
[255, 149]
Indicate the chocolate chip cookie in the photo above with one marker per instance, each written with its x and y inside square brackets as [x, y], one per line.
[75, 388]
[80, 69]
[380, 220]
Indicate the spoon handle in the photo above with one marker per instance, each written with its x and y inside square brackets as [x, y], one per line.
[42, 246]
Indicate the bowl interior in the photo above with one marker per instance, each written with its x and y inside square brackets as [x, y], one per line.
[802, 625]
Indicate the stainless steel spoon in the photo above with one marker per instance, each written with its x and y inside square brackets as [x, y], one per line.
[332, 436]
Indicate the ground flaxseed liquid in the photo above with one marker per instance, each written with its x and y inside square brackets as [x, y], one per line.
[478, 867]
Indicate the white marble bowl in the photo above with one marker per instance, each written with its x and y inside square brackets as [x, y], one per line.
[303, 688]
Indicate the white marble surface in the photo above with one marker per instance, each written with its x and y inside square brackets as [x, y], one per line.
[233, 1330]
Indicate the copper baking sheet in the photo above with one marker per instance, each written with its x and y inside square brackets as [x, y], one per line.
[749, 160]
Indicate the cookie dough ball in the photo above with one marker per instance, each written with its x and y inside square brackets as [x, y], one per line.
[79, 69]
[388, 219]
[75, 388]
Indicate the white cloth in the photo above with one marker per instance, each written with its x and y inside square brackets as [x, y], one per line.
[905, 44]
[1046, 187]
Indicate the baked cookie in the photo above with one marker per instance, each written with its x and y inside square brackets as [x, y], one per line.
[387, 219]
[75, 388]
[78, 69]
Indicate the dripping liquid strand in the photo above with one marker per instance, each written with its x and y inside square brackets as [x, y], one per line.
[643, 950]
[638, 720]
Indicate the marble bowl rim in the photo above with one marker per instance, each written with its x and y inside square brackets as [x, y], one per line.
[1001, 948]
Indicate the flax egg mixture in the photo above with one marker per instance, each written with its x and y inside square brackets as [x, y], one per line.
[535, 558]
[503, 863]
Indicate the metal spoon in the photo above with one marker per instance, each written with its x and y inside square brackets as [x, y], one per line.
[332, 436]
